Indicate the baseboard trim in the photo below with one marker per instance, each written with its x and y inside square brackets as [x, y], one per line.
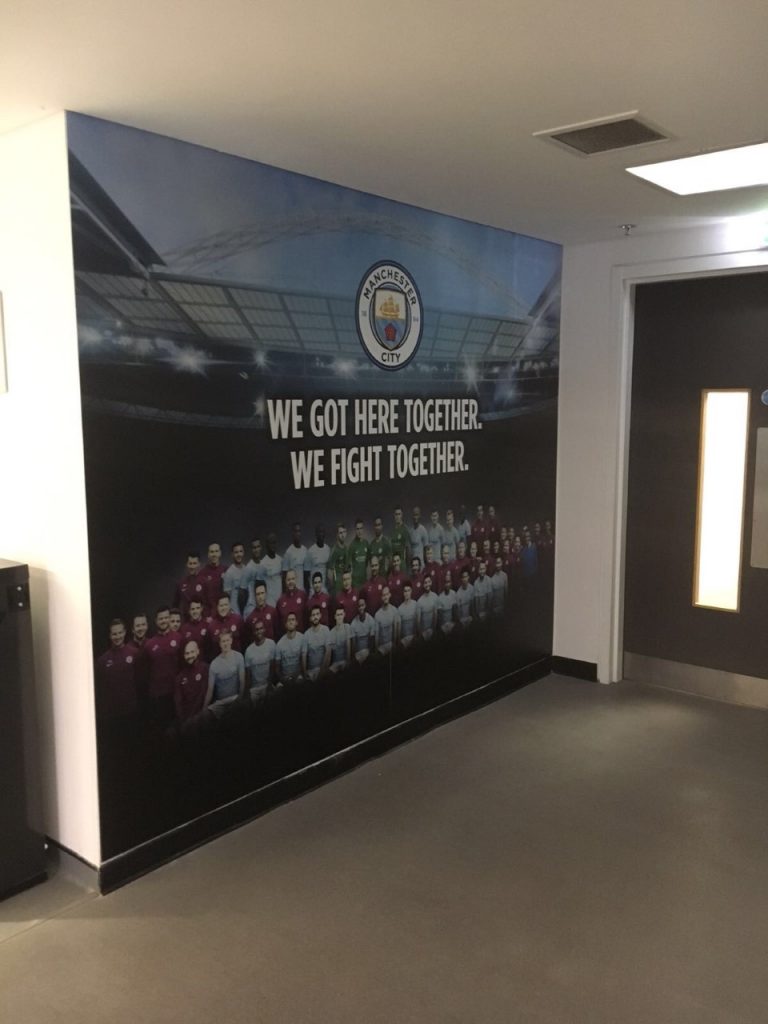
[715, 684]
[28, 883]
[71, 865]
[573, 667]
[125, 867]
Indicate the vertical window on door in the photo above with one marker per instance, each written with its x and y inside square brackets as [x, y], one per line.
[720, 519]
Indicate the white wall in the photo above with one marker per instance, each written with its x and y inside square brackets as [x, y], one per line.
[595, 373]
[42, 506]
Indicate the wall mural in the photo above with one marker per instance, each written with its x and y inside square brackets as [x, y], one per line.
[320, 436]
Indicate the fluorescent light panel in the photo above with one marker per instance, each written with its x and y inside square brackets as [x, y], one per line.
[717, 574]
[711, 172]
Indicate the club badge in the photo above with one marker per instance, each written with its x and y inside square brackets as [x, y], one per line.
[390, 316]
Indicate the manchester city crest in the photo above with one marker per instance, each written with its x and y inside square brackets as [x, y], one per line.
[389, 315]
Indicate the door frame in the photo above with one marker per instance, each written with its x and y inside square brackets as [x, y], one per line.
[624, 279]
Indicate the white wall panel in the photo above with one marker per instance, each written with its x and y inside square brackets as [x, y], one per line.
[42, 499]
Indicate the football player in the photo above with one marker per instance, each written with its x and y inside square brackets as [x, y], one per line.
[396, 581]
[263, 613]
[289, 650]
[191, 684]
[319, 598]
[446, 606]
[460, 562]
[237, 582]
[483, 590]
[116, 692]
[427, 608]
[341, 642]
[226, 676]
[317, 559]
[338, 561]
[371, 590]
[451, 535]
[417, 578]
[193, 584]
[292, 600]
[359, 553]
[493, 524]
[463, 526]
[435, 533]
[316, 655]
[295, 557]
[195, 628]
[445, 567]
[272, 571]
[380, 547]
[347, 597]
[162, 651]
[480, 526]
[408, 612]
[363, 629]
[257, 553]
[387, 623]
[211, 575]
[260, 663]
[431, 566]
[500, 587]
[224, 620]
[139, 629]
[417, 533]
[400, 541]
[465, 600]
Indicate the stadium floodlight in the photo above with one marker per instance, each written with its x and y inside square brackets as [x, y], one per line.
[189, 360]
[344, 367]
[509, 391]
[470, 376]
[88, 336]
[143, 346]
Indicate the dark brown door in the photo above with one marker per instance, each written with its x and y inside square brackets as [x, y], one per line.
[689, 336]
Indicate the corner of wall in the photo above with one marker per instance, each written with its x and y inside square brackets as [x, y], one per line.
[43, 519]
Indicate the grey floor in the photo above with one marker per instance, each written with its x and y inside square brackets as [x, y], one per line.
[572, 853]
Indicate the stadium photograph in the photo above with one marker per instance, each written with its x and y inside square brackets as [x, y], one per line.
[320, 435]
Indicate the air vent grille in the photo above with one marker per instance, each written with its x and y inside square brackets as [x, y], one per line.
[602, 138]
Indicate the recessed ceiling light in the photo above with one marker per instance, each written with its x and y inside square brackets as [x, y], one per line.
[743, 167]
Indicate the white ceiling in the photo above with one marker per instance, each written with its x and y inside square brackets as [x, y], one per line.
[428, 102]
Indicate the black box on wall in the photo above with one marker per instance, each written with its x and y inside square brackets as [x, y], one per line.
[22, 849]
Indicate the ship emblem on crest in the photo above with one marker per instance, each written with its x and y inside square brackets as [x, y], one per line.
[389, 315]
[390, 318]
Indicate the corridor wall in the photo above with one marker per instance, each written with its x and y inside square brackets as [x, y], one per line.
[42, 511]
[276, 373]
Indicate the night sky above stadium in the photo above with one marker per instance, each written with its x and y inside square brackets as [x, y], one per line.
[219, 216]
